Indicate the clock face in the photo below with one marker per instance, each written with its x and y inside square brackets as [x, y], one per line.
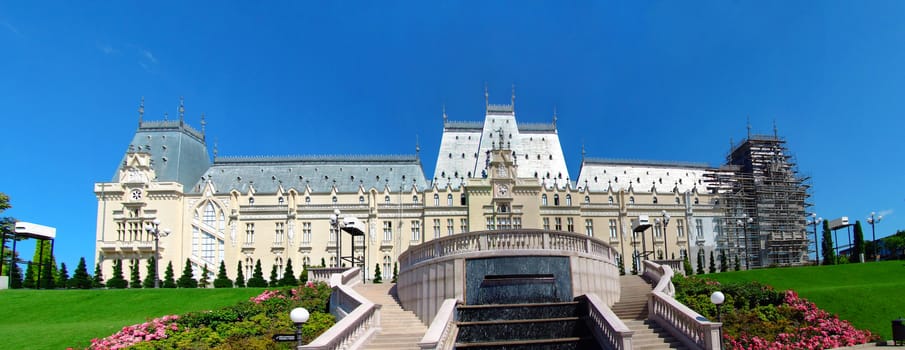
[502, 190]
[136, 194]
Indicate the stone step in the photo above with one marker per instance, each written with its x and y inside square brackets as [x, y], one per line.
[399, 328]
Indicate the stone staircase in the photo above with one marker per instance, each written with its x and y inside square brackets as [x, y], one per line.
[632, 310]
[399, 329]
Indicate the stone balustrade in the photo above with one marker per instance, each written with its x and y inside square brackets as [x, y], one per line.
[359, 318]
[435, 270]
[442, 332]
[322, 274]
[607, 327]
[692, 329]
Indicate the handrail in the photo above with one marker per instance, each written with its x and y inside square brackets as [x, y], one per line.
[322, 274]
[692, 329]
[525, 239]
[608, 329]
[442, 331]
[359, 317]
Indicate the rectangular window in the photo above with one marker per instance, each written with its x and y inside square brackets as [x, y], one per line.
[613, 231]
[120, 231]
[658, 230]
[517, 223]
[387, 231]
[436, 228]
[570, 226]
[547, 224]
[699, 228]
[558, 224]
[249, 233]
[278, 235]
[416, 231]
[449, 227]
[306, 232]
[489, 223]
[589, 227]
[680, 228]
[463, 225]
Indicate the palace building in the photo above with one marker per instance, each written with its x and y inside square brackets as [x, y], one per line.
[490, 174]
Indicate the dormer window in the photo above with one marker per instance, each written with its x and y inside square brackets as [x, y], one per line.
[281, 200]
[251, 200]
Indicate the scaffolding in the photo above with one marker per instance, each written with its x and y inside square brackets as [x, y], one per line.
[764, 202]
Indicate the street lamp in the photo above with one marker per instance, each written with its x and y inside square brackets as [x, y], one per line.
[744, 224]
[873, 220]
[814, 222]
[334, 223]
[154, 229]
[299, 316]
[665, 235]
[718, 298]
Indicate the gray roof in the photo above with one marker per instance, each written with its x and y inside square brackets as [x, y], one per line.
[178, 152]
[320, 173]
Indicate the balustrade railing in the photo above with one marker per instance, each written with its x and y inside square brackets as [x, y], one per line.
[359, 317]
[607, 327]
[690, 327]
[322, 274]
[442, 332]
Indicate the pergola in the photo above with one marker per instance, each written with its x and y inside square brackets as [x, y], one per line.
[30, 230]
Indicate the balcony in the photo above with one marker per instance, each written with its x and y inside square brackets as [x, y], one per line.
[126, 246]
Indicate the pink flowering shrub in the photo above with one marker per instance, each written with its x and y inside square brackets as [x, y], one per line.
[130, 335]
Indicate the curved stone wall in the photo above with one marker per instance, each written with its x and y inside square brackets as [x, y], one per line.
[436, 270]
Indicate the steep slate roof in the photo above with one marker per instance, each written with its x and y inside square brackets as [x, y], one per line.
[320, 173]
[641, 175]
[178, 152]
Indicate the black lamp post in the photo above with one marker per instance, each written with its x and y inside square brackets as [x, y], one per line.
[873, 220]
[334, 223]
[814, 221]
[744, 224]
[299, 316]
[154, 230]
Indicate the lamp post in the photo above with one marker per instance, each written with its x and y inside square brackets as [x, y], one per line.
[666, 218]
[744, 224]
[334, 223]
[299, 316]
[873, 220]
[814, 222]
[718, 298]
[154, 229]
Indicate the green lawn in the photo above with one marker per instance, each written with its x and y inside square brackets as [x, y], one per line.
[867, 295]
[56, 319]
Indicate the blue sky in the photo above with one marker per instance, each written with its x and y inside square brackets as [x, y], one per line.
[634, 80]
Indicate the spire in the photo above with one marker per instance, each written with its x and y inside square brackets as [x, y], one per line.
[775, 130]
[555, 117]
[583, 152]
[513, 98]
[486, 97]
[203, 124]
[181, 111]
[141, 110]
[417, 146]
[445, 118]
[749, 127]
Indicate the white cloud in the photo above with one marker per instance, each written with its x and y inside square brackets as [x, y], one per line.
[149, 56]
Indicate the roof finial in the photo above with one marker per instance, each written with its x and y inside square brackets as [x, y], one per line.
[141, 110]
[166, 116]
[181, 111]
[555, 117]
[486, 96]
[775, 130]
[749, 126]
[513, 98]
[445, 118]
[203, 124]
[583, 152]
[417, 145]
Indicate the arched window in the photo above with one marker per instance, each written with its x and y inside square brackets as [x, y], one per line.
[462, 199]
[556, 199]
[387, 267]
[631, 200]
[568, 200]
[361, 199]
[436, 199]
[386, 199]
[335, 199]
[210, 216]
[278, 262]
[543, 199]
[655, 200]
[415, 199]
[307, 199]
[696, 201]
[281, 201]
[587, 199]
[251, 200]
[249, 267]
[449, 200]
[610, 200]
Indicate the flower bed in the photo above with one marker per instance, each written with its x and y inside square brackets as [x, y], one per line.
[245, 325]
[756, 316]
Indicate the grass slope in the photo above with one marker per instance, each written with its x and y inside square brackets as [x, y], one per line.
[56, 319]
[867, 295]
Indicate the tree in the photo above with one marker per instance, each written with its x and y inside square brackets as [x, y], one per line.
[395, 273]
[63, 277]
[635, 263]
[686, 264]
[15, 277]
[377, 277]
[712, 268]
[829, 255]
[323, 264]
[289, 275]
[738, 264]
[29, 281]
[168, 275]
[700, 269]
[80, 279]
[858, 249]
[187, 280]
[149, 279]
[240, 277]
[43, 267]
[724, 264]
[894, 243]
[274, 279]
[98, 280]
[203, 282]
[135, 278]
[7, 228]
[117, 281]
[303, 277]
[223, 280]
[620, 264]
[257, 277]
